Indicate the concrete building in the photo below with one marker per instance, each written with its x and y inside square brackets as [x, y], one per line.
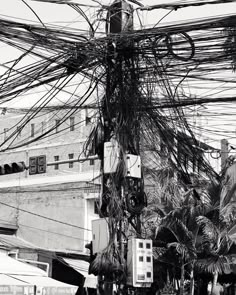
[45, 217]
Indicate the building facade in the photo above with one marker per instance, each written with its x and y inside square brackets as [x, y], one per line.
[53, 210]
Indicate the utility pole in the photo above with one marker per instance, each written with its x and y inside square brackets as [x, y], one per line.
[116, 257]
[122, 197]
[119, 19]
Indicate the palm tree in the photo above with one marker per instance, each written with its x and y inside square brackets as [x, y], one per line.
[198, 228]
[177, 231]
[216, 226]
[201, 229]
[182, 246]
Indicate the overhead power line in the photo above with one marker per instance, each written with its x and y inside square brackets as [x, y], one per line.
[185, 3]
[45, 217]
[67, 2]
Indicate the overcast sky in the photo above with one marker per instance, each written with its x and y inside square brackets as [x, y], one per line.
[54, 13]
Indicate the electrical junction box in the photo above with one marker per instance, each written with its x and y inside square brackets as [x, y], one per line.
[100, 234]
[133, 166]
[111, 156]
[140, 263]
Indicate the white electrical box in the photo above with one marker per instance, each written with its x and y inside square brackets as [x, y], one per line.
[100, 234]
[111, 156]
[133, 165]
[140, 263]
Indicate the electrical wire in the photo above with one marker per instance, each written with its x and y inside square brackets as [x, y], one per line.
[44, 217]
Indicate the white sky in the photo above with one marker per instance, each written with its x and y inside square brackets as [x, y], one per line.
[53, 13]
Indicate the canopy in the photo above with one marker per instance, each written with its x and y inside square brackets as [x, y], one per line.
[90, 282]
[9, 280]
[82, 267]
[13, 286]
[18, 278]
[48, 286]
[12, 266]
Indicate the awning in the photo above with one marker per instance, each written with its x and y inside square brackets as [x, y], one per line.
[82, 267]
[79, 265]
[8, 280]
[12, 286]
[17, 278]
[90, 282]
[48, 286]
[14, 242]
[12, 266]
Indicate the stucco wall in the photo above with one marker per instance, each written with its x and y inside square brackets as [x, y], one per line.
[64, 207]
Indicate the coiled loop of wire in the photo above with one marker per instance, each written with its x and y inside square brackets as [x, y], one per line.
[178, 45]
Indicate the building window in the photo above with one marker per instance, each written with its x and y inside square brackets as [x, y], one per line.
[32, 130]
[91, 162]
[71, 156]
[57, 123]
[5, 130]
[72, 123]
[56, 166]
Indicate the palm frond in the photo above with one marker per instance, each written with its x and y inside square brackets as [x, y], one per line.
[225, 245]
[179, 231]
[183, 250]
[209, 229]
[158, 252]
[228, 212]
[154, 210]
[214, 264]
[229, 197]
[214, 192]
